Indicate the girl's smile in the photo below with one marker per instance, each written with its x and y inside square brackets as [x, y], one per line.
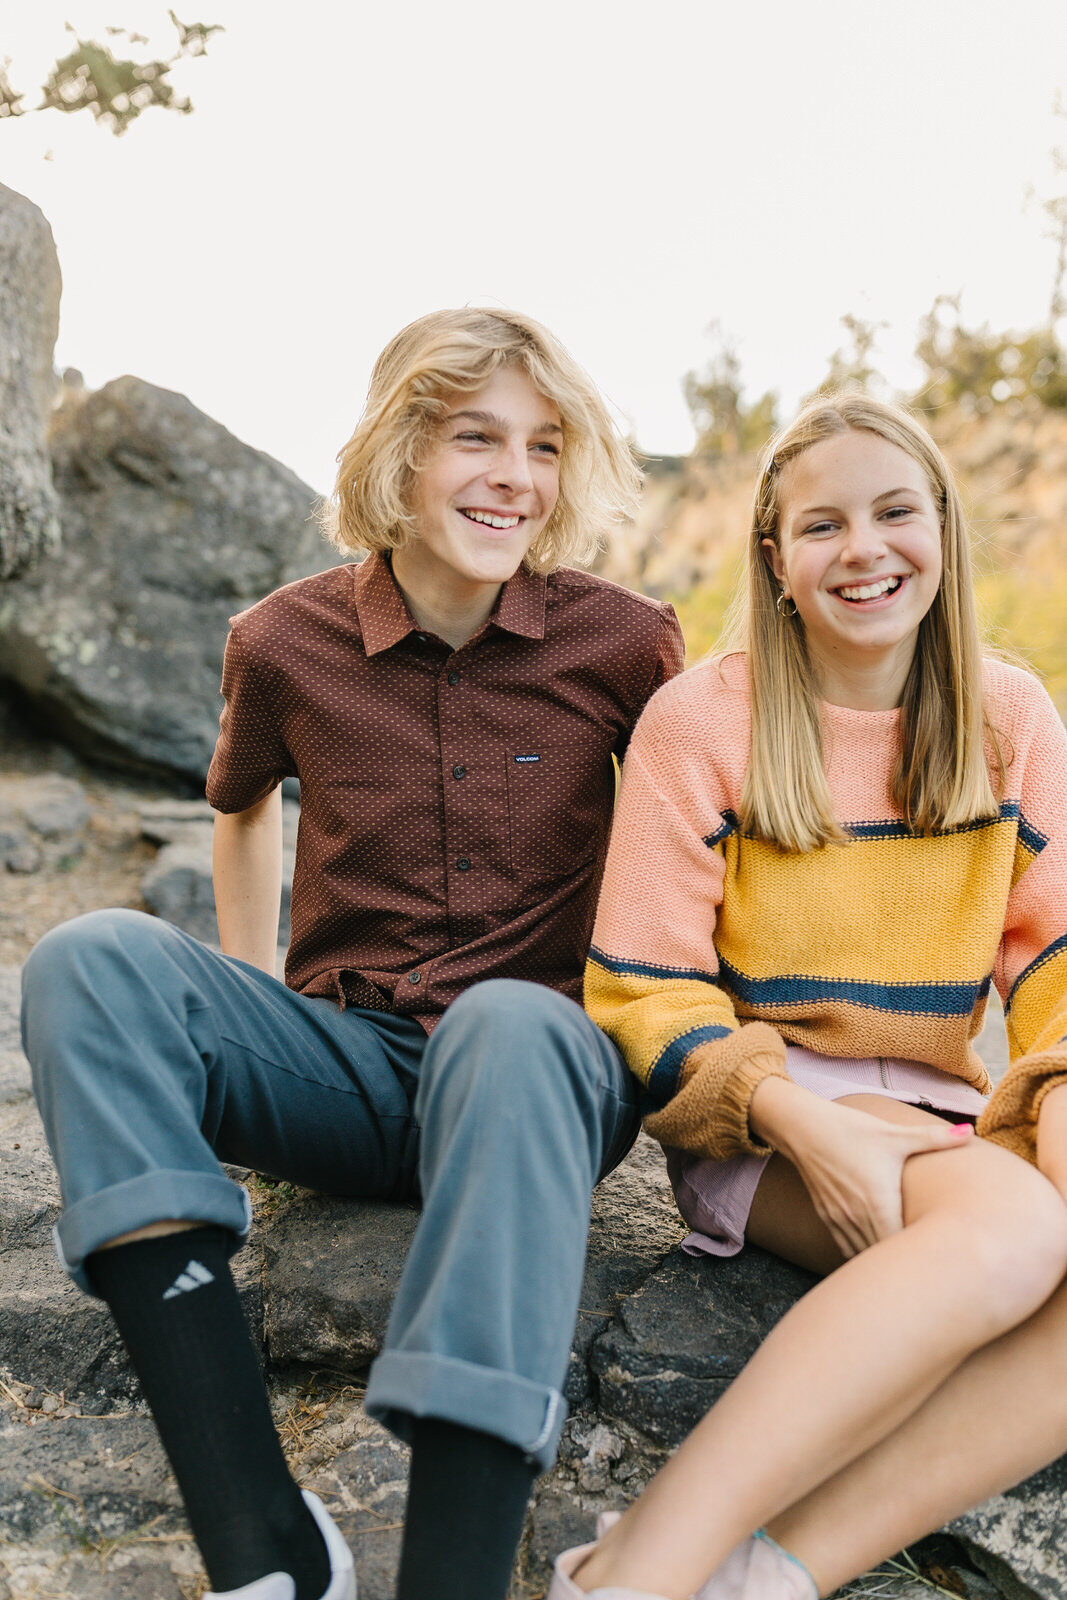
[859, 554]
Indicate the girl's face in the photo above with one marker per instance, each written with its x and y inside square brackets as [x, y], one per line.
[859, 554]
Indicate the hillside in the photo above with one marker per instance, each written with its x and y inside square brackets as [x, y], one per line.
[1012, 465]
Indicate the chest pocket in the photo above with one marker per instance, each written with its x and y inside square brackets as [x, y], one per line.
[559, 807]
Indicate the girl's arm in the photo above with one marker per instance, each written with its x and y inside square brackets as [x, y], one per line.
[1032, 966]
[1052, 1137]
[247, 871]
[651, 980]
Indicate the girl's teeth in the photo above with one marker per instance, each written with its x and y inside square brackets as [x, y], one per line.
[869, 591]
[491, 521]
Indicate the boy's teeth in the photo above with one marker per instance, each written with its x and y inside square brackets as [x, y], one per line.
[869, 591]
[492, 521]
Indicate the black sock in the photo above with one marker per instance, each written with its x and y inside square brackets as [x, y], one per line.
[466, 1502]
[177, 1310]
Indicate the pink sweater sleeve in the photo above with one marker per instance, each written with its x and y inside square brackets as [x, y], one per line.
[652, 976]
[1031, 970]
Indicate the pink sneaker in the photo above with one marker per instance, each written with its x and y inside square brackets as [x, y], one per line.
[759, 1569]
[563, 1586]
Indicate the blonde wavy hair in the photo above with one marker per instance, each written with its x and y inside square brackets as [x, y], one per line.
[942, 774]
[457, 352]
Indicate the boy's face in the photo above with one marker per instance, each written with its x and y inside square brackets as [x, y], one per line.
[489, 485]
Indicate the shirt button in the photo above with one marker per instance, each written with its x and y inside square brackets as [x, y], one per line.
[414, 977]
[459, 772]
[463, 864]
[453, 678]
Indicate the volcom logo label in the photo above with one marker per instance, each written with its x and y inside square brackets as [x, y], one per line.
[194, 1277]
[525, 760]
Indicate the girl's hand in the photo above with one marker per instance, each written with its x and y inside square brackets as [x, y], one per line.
[852, 1162]
[1052, 1137]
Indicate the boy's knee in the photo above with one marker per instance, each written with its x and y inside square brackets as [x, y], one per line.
[520, 1051]
[76, 948]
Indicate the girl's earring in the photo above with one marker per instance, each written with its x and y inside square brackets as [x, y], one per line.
[781, 609]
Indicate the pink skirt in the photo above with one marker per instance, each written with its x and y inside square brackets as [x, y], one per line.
[715, 1197]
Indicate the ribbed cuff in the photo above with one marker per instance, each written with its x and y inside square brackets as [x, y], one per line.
[709, 1114]
[1010, 1118]
[158, 1196]
[405, 1384]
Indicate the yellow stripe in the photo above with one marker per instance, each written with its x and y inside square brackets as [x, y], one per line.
[801, 914]
[1037, 1016]
[1023, 857]
[644, 1015]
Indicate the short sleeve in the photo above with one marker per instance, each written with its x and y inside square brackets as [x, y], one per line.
[251, 757]
[670, 655]
[667, 660]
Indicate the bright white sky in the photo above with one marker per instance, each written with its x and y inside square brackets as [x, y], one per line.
[624, 171]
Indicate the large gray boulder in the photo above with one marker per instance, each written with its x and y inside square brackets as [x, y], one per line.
[29, 322]
[170, 525]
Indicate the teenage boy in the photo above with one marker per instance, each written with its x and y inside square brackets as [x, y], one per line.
[451, 707]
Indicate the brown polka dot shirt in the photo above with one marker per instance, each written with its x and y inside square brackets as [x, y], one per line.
[455, 805]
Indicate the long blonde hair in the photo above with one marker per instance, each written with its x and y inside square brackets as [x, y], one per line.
[941, 778]
[451, 352]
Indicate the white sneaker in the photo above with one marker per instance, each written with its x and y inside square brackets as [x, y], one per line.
[280, 1586]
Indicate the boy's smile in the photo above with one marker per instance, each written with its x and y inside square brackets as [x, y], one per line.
[486, 492]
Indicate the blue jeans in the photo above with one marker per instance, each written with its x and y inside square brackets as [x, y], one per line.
[154, 1059]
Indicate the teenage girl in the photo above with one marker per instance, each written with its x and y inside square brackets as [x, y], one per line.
[829, 842]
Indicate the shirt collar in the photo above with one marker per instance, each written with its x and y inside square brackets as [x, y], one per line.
[382, 611]
[385, 619]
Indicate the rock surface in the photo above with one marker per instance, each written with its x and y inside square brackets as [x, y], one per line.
[178, 883]
[1019, 1539]
[88, 1510]
[170, 526]
[42, 819]
[29, 322]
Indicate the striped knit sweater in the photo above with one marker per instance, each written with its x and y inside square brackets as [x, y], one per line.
[711, 948]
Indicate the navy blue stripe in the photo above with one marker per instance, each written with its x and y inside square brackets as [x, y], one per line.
[1034, 840]
[889, 829]
[663, 1079]
[729, 825]
[644, 969]
[1046, 954]
[925, 999]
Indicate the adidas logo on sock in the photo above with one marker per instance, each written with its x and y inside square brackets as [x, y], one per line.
[194, 1276]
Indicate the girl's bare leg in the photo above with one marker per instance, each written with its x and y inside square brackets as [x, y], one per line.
[853, 1360]
[998, 1418]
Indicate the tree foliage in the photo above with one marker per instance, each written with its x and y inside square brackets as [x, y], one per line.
[978, 369]
[852, 365]
[116, 89]
[726, 424]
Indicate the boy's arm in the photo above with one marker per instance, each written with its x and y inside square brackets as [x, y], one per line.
[247, 870]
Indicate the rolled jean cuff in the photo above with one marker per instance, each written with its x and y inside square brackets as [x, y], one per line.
[408, 1384]
[204, 1197]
